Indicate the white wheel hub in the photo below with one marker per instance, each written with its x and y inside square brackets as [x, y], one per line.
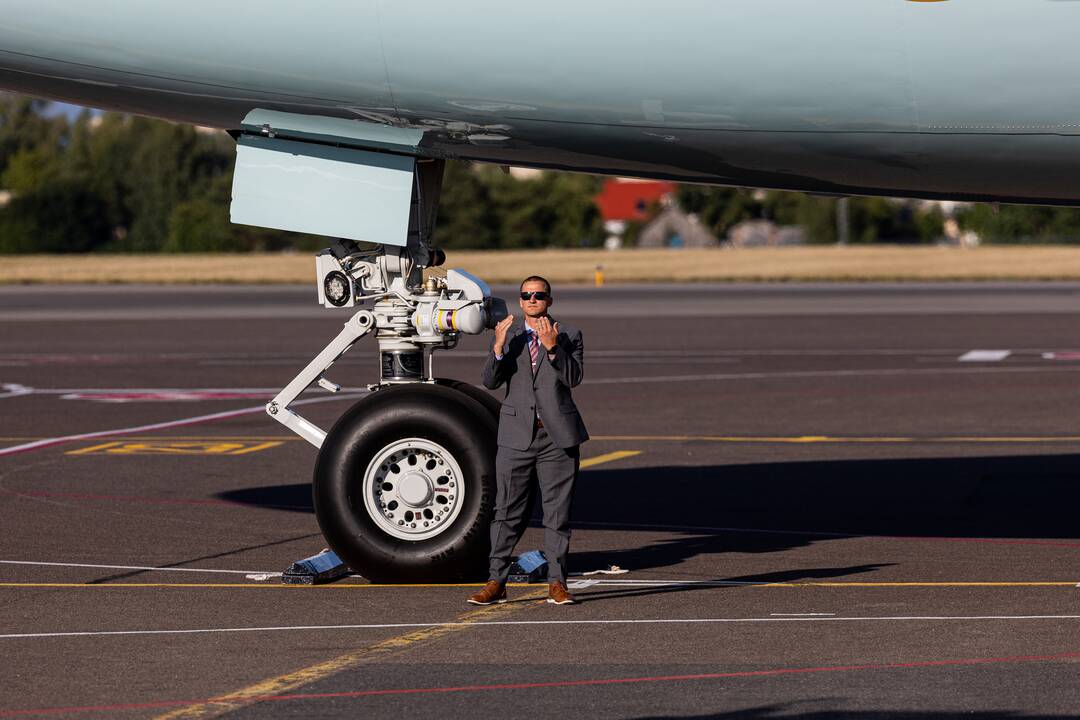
[413, 489]
[416, 490]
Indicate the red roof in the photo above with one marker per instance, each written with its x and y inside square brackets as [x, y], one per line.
[622, 200]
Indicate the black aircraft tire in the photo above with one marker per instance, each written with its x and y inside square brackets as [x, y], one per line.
[434, 414]
[483, 397]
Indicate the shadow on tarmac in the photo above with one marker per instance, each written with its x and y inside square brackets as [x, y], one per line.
[1033, 496]
[771, 507]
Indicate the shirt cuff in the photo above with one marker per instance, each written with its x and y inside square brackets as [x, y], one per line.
[498, 356]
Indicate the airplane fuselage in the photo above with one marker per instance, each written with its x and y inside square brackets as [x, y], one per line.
[965, 100]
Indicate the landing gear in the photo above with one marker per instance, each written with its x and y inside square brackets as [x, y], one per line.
[405, 485]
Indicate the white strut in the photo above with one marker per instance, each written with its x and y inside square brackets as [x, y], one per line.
[357, 327]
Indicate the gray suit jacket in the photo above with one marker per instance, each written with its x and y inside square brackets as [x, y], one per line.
[547, 394]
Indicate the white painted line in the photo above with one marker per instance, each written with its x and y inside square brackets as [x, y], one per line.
[501, 623]
[15, 390]
[821, 533]
[984, 356]
[831, 373]
[129, 567]
[114, 390]
[48, 442]
[802, 614]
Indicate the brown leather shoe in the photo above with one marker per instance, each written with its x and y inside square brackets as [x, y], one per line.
[559, 595]
[493, 592]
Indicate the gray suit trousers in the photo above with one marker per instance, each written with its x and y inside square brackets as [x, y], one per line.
[556, 470]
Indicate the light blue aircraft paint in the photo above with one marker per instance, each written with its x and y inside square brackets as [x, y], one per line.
[964, 99]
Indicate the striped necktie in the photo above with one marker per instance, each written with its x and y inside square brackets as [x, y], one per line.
[534, 350]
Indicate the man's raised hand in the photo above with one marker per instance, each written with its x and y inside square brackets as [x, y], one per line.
[548, 333]
[501, 329]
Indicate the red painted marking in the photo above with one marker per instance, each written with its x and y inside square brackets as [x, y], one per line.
[1063, 356]
[777, 672]
[179, 396]
[142, 499]
[990, 541]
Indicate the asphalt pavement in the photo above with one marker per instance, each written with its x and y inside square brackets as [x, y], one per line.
[831, 501]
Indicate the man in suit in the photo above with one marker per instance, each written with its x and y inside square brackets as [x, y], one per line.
[540, 432]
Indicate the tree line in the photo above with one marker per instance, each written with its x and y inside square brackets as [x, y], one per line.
[118, 183]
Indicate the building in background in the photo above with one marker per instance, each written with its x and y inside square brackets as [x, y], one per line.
[623, 201]
[764, 233]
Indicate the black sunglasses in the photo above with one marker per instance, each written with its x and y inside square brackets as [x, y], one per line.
[538, 294]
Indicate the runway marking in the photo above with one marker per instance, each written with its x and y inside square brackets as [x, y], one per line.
[159, 390]
[402, 641]
[984, 356]
[697, 677]
[203, 438]
[320, 671]
[234, 504]
[821, 533]
[609, 583]
[608, 457]
[128, 567]
[175, 447]
[645, 438]
[49, 442]
[800, 374]
[802, 614]
[12, 390]
[809, 439]
[166, 396]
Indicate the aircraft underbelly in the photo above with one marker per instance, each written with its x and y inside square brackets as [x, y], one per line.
[846, 96]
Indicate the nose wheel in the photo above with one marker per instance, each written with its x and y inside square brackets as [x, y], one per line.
[404, 484]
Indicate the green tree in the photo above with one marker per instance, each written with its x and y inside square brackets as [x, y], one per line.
[466, 217]
[1025, 224]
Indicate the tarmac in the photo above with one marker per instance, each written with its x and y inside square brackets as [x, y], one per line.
[832, 501]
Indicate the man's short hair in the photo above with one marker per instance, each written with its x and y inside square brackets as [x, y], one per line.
[535, 278]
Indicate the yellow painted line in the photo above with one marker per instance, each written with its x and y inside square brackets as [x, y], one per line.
[176, 447]
[256, 585]
[256, 448]
[804, 439]
[94, 448]
[205, 438]
[608, 457]
[1057, 583]
[320, 671]
[343, 586]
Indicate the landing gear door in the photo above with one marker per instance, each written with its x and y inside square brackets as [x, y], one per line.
[322, 189]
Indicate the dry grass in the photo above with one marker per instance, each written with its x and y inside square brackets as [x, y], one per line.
[878, 263]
